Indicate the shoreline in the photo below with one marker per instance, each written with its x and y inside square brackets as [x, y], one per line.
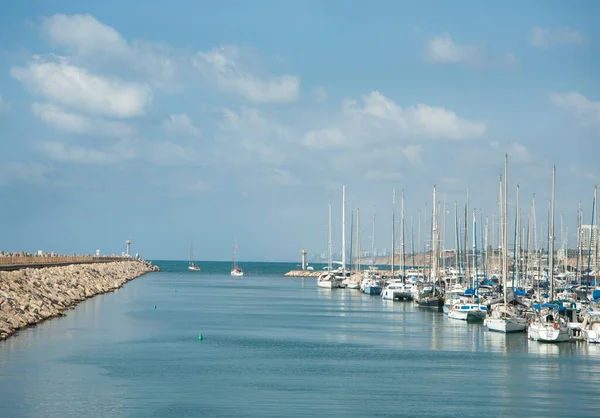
[30, 296]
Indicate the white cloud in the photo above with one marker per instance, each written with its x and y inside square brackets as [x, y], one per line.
[249, 131]
[166, 153]
[79, 124]
[181, 124]
[413, 153]
[516, 151]
[324, 138]
[378, 114]
[22, 172]
[75, 87]
[544, 38]
[225, 65]
[83, 33]
[59, 151]
[444, 50]
[586, 110]
[125, 150]
[93, 42]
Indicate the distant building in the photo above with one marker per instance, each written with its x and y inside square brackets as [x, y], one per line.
[586, 239]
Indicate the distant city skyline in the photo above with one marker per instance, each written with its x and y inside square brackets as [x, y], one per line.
[239, 121]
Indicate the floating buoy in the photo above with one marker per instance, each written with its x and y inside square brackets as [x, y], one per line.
[200, 337]
[154, 306]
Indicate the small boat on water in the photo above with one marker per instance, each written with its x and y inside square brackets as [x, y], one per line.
[192, 264]
[371, 286]
[549, 325]
[505, 318]
[468, 311]
[235, 270]
[590, 327]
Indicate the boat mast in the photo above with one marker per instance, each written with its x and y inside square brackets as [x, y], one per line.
[551, 243]
[587, 277]
[577, 263]
[373, 240]
[443, 239]
[419, 238]
[412, 241]
[434, 264]
[500, 220]
[516, 240]
[329, 240]
[357, 241]
[344, 231]
[504, 200]
[402, 254]
[475, 253]
[351, 259]
[485, 246]
[393, 229]
[456, 239]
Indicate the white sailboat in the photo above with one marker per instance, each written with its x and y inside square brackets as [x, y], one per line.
[549, 325]
[235, 270]
[327, 279]
[504, 317]
[192, 264]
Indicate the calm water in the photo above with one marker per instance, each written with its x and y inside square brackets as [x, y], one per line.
[281, 347]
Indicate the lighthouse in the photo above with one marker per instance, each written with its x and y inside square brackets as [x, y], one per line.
[128, 243]
[303, 259]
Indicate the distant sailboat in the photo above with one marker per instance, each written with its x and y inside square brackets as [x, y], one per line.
[192, 265]
[235, 270]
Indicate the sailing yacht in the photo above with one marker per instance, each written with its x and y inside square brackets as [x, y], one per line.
[432, 298]
[192, 264]
[504, 317]
[328, 279]
[235, 270]
[549, 325]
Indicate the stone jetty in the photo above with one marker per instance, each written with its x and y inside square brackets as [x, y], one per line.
[31, 295]
[302, 273]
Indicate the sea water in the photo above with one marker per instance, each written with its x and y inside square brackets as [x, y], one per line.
[181, 344]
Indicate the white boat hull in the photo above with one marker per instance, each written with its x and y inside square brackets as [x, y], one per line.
[505, 325]
[237, 273]
[550, 333]
[591, 336]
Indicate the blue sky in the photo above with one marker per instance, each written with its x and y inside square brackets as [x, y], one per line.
[162, 122]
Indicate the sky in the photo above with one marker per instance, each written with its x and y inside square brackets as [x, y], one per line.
[166, 122]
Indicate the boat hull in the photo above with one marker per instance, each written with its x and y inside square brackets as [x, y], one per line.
[591, 336]
[372, 290]
[505, 325]
[433, 302]
[549, 333]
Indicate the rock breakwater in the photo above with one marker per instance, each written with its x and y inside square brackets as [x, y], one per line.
[30, 296]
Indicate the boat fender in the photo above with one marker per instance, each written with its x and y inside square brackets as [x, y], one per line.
[555, 325]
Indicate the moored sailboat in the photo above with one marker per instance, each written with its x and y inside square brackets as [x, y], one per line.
[504, 317]
[192, 264]
[235, 269]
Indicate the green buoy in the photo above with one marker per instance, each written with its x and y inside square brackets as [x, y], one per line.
[154, 306]
[200, 337]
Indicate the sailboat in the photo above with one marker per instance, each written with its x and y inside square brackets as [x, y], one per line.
[433, 298]
[504, 317]
[235, 270]
[327, 278]
[192, 264]
[549, 325]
